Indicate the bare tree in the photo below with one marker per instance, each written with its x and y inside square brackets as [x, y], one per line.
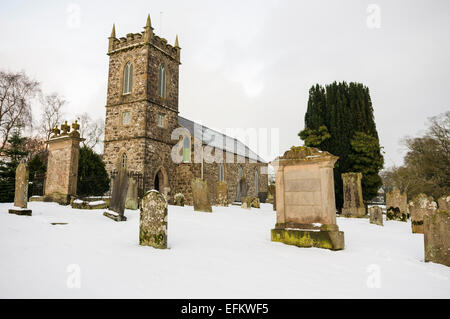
[52, 113]
[92, 130]
[16, 92]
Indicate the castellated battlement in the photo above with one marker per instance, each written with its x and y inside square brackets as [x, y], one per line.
[146, 37]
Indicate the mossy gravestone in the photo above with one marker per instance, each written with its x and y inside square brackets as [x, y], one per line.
[376, 215]
[179, 200]
[222, 194]
[418, 207]
[118, 197]
[306, 210]
[132, 194]
[21, 191]
[200, 194]
[153, 220]
[436, 227]
[396, 206]
[353, 198]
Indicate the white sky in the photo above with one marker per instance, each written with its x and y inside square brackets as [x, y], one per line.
[247, 64]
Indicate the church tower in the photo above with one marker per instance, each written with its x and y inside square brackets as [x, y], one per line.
[142, 105]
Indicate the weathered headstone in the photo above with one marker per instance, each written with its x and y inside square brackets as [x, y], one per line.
[270, 194]
[62, 164]
[353, 198]
[153, 220]
[396, 206]
[444, 203]
[255, 202]
[306, 211]
[179, 199]
[418, 207]
[132, 201]
[243, 187]
[201, 197]
[376, 215]
[21, 191]
[437, 237]
[246, 202]
[166, 194]
[222, 194]
[118, 196]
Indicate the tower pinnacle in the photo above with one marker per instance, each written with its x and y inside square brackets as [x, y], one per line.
[113, 32]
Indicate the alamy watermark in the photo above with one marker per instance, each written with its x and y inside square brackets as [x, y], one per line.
[73, 20]
[74, 276]
[373, 20]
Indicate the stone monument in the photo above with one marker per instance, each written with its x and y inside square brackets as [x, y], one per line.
[21, 191]
[444, 203]
[396, 206]
[436, 227]
[376, 215]
[305, 202]
[418, 207]
[62, 164]
[179, 200]
[201, 197]
[222, 194]
[153, 220]
[118, 196]
[132, 201]
[353, 198]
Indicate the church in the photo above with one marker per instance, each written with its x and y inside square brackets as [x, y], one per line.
[142, 114]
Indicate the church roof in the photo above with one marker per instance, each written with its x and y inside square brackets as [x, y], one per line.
[219, 140]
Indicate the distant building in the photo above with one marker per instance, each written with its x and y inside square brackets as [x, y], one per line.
[142, 112]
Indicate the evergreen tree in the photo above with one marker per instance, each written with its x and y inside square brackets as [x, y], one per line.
[37, 170]
[12, 155]
[92, 176]
[340, 120]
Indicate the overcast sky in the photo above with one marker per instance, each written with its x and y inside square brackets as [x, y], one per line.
[248, 64]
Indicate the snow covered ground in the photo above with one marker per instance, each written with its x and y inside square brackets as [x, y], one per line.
[227, 254]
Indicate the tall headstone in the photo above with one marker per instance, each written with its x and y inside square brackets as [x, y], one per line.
[62, 164]
[305, 201]
[396, 206]
[153, 220]
[437, 237]
[201, 197]
[132, 201]
[222, 194]
[418, 207]
[118, 196]
[353, 198]
[21, 191]
[376, 215]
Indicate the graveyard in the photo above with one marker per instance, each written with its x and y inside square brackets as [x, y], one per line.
[226, 254]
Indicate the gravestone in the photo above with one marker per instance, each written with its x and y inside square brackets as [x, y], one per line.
[179, 199]
[396, 206]
[444, 203]
[62, 164]
[132, 201]
[270, 194]
[118, 196]
[201, 197]
[418, 207]
[222, 194]
[255, 203]
[305, 201]
[353, 198]
[153, 220]
[436, 227]
[376, 215]
[21, 191]
[243, 186]
[246, 202]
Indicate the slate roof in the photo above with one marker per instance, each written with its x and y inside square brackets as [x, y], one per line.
[219, 140]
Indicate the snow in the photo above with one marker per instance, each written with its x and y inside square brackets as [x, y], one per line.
[99, 202]
[226, 254]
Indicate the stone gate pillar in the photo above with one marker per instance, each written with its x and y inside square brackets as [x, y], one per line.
[62, 164]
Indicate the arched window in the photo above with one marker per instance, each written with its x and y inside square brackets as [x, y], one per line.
[128, 78]
[240, 172]
[186, 149]
[162, 81]
[221, 172]
[256, 182]
[124, 161]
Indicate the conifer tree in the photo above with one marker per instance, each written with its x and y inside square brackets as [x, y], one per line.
[339, 119]
[92, 176]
